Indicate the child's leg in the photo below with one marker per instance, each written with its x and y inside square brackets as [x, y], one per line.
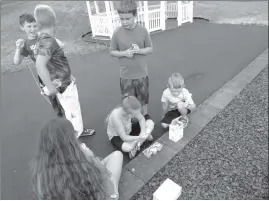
[142, 93]
[182, 110]
[70, 102]
[113, 163]
[126, 86]
[149, 128]
[123, 146]
[128, 146]
[145, 109]
[169, 117]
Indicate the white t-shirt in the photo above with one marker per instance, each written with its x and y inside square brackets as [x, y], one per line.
[184, 96]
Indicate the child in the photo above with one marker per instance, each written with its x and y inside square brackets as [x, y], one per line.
[131, 43]
[25, 48]
[125, 135]
[176, 100]
[64, 169]
[53, 69]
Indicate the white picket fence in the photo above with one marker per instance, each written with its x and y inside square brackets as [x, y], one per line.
[104, 24]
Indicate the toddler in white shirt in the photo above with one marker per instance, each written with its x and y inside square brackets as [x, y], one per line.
[176, 100]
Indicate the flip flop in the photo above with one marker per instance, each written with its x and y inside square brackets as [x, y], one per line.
[87, 132]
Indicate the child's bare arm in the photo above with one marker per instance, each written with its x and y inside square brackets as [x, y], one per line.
[191, 107]
[142, 123]
[165, 107]
[18, 57]
[145, 51]
[190, 103]
[120, 129]
[42, 71]
[117, 53]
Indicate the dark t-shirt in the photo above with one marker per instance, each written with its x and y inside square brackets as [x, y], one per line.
[122, 40]
[58, 67]
[29, 48]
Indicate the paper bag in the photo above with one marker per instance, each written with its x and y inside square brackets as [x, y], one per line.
[169, 190]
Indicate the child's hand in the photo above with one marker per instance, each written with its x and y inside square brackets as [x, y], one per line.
[144, 136]
[20, 43]
[51, 91]
[129, 53]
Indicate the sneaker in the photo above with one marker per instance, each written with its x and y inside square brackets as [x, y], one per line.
[150, 138]
[138, 146]
[87, 132]
[132, 153]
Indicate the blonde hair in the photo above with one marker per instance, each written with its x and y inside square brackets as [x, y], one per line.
[176, 81]
[45, 16]
[128, 103]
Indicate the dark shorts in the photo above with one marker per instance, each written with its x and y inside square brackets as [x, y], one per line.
[117, 141]
[136, 87]
[171, 115]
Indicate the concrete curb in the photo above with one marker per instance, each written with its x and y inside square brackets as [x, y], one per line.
[141, 169]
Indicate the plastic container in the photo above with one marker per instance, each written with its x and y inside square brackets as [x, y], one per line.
[147, 153]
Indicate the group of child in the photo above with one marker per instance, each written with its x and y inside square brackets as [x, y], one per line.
[129, 124]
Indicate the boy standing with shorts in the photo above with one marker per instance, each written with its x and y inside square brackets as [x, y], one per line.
[131, 43]
[53, 69]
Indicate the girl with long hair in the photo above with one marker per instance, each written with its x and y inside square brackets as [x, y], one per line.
[66, 169]
[127, 128]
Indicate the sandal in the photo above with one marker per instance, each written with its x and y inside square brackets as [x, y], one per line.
[87, 132]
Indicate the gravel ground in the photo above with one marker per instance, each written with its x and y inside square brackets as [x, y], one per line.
[228, 159]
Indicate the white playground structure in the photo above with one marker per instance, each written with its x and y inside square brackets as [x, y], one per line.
[151, 14]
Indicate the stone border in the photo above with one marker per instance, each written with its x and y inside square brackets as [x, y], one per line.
[141, 169]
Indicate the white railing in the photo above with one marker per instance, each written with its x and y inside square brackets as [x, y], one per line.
[171, 10]
[104, 24]
[187, 15]
[154, 20]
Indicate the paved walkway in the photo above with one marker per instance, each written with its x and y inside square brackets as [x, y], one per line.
[207, 55]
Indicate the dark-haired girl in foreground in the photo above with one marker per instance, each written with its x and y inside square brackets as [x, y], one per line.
[66, 169]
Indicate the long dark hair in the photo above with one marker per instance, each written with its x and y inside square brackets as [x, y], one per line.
[61, 170]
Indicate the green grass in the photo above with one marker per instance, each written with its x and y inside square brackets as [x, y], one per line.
[73, 22]
[233, 12]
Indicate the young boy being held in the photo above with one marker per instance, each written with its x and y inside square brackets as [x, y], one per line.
[131, 43]
[176, 100]
[54, 70]
[27, 47]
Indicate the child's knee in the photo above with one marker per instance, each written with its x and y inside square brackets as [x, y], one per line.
[127, 147]
[118, 155]
[180, 106]
[164, 125]
[149, 125]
